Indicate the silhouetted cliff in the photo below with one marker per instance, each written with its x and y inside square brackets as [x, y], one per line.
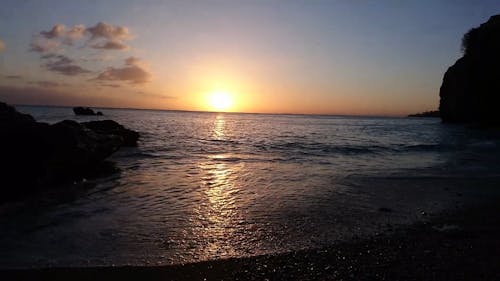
[470, 91]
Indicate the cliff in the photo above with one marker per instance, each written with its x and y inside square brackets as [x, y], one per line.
[470, 91]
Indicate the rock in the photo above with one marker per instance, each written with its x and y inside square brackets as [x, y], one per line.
[434, 113]
[76, 151]
[9, 115]
[471, 87]
[85, 111]
[110, 127]
[37, 156]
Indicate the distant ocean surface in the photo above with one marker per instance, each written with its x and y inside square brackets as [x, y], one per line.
[206, 186]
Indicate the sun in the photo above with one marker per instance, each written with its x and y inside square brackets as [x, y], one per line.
[220, 100]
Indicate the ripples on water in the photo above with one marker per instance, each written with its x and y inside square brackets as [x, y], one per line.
[205, 186]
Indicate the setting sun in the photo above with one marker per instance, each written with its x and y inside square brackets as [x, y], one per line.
[220, 100]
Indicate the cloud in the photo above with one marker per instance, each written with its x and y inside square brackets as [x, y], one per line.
[134, 71]
[108, 31]
[133, 61]
[62, 65]
[43, 96]
[13, 76]
[108, 37]
[57, 31]
[153, 95]
[32, 95]
[68, 36]
[2, 45]
[100, 36]
[110, 45]
[111, 85]
[44, 46]
[47, 84]
[75, 33]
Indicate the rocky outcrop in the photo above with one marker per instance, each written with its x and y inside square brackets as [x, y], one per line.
[37, 156]
[85, 111]
[433, 113]
[470, 91]
[110, 127]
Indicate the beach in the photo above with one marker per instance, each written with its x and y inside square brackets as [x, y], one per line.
[459, 244]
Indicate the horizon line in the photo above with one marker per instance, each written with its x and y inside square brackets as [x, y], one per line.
[225, 112]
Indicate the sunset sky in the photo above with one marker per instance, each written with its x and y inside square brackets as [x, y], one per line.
[320, 57]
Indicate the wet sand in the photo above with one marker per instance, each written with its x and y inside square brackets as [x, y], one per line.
[460, 244]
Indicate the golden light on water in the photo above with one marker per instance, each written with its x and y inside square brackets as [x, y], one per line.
[219, 211]
[220, 101]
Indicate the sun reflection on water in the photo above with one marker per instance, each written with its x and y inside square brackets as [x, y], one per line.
[218, 214]
[219, 127]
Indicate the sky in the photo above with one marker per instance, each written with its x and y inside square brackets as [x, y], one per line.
[305, 57]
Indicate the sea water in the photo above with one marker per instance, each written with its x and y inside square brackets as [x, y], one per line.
[203, 186]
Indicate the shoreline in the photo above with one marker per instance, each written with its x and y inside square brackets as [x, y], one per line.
[460, 244]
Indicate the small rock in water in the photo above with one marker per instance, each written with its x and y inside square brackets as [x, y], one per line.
[85, 111]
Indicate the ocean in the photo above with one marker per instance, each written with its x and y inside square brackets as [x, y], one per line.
[204, 186]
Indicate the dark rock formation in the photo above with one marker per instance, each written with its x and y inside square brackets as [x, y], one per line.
[433, 113]
[110, 127]
[470, 91]
[36, 156]
[85, 111]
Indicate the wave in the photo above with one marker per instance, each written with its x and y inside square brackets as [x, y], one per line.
[427, 147]
[219, 141]
[315, 148]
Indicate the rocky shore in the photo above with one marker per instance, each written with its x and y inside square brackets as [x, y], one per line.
[37, 156]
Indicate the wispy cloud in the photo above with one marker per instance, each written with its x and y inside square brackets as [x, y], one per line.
[111, 85]
[41, 95]
[134, 71]
[44, 46]
[110, 45]
[13, 77]
[63, 65]
[47, 84]
[153, 95]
